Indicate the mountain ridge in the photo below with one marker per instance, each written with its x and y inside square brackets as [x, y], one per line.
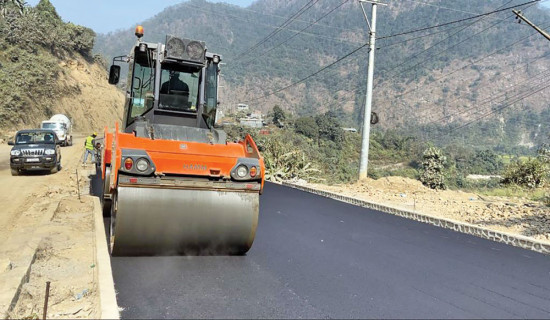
[475, 45]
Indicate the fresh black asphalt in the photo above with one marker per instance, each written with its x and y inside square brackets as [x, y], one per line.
[319, 258]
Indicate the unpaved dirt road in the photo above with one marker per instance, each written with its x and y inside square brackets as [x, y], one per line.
[18, 193]
[45, 209]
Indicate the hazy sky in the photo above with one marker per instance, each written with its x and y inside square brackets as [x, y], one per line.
[107, 15]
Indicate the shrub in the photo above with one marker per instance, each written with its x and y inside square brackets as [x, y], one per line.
[531, 173]
[283, 161]
[433, 162]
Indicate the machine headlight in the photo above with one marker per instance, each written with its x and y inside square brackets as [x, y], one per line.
[142, 165]
[242, 171]
[15, 153]
[49, 152]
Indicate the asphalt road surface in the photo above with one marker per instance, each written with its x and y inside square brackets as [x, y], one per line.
[318, 258]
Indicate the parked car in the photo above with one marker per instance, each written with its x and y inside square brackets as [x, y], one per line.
[36, 149]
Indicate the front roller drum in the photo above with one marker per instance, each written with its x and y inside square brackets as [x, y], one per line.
[155, 221]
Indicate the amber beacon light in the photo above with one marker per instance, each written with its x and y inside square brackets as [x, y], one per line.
[139, 31]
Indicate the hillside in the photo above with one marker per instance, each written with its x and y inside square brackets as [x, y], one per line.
[451, 74]
[47, 67]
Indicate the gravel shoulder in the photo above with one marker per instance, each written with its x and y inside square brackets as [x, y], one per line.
[513, 215]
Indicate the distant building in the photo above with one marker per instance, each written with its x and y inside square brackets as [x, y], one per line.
[242, 107]
[253, 120]
[350, 130]
[252, 123]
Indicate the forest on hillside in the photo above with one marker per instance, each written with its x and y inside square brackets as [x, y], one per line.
[486, 70]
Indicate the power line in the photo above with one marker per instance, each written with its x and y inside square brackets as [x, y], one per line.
[447, 49]
[470, 64]
[234, 17]
[366, 44]
[456, 21]
[526, 95]
[324, 68]
[437, 43]
[447, 8]
[298, 20]
[308, 5]
[495, 96]
[417, 37]
[352, 91]
[492, 99]
[311, 75]
[540, 57]
[298, 33]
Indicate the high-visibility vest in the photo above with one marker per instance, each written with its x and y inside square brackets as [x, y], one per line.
[90, 143]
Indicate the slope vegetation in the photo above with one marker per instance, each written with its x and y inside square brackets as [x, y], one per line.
[47, 67]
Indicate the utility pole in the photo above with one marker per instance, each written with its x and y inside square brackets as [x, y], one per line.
[368, 101]
[519, 15]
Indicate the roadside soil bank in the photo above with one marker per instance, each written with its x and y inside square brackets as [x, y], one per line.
[86, 98]
[43, 211]
[513, 215]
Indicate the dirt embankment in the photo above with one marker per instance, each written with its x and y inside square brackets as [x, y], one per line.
[513, 215]
[44, 210]
[95, 103]
[88, 99]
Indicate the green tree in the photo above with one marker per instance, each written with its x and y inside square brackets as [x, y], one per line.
[484, 162]
[46, 8]
[329, 127]
[308, 127]
[279, 116]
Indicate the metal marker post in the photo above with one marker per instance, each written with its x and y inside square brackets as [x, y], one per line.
[46, 298]
[77, 184]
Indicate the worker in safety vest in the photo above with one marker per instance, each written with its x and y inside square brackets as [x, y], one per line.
[89, 145]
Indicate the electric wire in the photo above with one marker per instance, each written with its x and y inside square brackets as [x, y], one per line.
[350, 91]
[311, 75]
[456, 21]
[508, 105]
[307, 6]
[302, 30]
[304, 21]
[483, 101]
[202, 9]
[447, 8]
[538, 79]
[408, 32]
[468, 65]
[406, 60]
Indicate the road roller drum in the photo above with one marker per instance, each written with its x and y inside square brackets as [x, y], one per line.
[154, 221]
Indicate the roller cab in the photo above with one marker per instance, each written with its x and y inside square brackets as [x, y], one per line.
[173, 184]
